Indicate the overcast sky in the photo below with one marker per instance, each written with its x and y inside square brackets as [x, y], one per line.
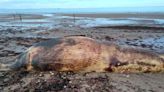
[22, 4]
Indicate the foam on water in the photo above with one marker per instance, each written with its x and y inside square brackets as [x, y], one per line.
[103, 22]
[94, 22]
[160, 21]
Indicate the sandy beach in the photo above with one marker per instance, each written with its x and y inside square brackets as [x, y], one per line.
[135, 30]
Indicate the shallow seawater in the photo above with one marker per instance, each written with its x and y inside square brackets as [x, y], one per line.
[95, 22]
[153, 43]
[49, 20]
[28, 23]
[104, 22]
[149, 20]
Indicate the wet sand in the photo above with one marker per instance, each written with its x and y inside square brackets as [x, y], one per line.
[16, 39]
[120, 15]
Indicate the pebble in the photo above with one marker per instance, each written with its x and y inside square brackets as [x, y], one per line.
[127, 76]
[1, 74]
[38, 81]
[51, 73]
[41, 75]
[6, 80]
[65, 86]
[70, 82]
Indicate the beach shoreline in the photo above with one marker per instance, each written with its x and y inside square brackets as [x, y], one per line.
[17, 36]
[119, 15]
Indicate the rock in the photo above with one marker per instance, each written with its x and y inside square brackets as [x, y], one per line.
[51, 73]
[6, 80]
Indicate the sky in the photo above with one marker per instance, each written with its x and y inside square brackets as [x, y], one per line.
[36, 4]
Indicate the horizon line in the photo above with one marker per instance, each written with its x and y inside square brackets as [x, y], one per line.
[86, 8]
